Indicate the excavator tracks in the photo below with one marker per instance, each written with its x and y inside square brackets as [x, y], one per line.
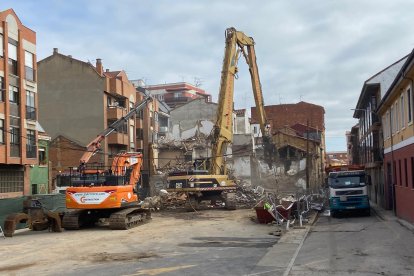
[128, 218]
[71, 220]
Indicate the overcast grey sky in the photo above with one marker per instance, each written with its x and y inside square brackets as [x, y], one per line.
[315, 51]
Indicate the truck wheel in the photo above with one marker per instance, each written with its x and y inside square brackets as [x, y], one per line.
[333, 214]
[367, 212]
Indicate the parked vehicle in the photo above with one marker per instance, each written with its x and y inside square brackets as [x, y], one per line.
[348, 190]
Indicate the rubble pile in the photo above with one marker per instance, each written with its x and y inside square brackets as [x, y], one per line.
[247, 196]
[164, 200]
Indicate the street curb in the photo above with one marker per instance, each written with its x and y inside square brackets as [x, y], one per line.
[292, 261]
[406, 224]
[384, 216]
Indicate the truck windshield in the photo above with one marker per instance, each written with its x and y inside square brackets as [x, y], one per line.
[347, 181]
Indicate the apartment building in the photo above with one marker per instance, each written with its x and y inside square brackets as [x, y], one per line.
[18, 105]
[370, 131]
[176, 94]
[396, 113]
[79, 100]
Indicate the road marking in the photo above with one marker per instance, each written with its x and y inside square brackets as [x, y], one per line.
[157, 271]
[292, 261]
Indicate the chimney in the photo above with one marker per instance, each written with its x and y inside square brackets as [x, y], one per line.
[99, 67]
[107, 70]
[55, 51]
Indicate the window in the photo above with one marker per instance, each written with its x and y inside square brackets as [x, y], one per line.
[412, 172]
[1, 45]
[13, 94]
[1, 131]
[30, 105]
[396, 115]
[140, 134]
[140, 114]
[12, 51]
[392, 120]
[28, 66]
[15, 135]
[14, 141]
[42, 156]
[399, 171]
[31, 144]
[1, 89]
[131, 137]
[177, 94]
[402, 107]
[405, 172]
[409, 105]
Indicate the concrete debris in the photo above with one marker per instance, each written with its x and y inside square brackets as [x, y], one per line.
[165, 200]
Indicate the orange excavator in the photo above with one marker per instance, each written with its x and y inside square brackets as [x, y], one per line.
[109, 194]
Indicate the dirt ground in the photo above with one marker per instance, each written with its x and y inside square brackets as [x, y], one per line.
[46, 253]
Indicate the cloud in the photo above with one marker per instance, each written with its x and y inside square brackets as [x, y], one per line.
[316, 51]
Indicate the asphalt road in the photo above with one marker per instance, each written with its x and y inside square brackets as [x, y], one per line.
[356, 245]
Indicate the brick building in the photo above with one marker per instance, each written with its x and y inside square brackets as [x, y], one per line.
[177, 94]
[292, 125]
[80, 100]
[18, 105]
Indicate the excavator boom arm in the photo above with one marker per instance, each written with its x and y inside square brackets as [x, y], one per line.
[236, 42]
[95, 145]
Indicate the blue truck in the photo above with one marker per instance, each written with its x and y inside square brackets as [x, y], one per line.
[348, 191]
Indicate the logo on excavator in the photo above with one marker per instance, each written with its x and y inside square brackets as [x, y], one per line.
[82, 199]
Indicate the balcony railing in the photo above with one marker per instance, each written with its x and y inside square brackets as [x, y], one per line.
[31, 151]
[178, 99]
[15, 150]
[30, 113]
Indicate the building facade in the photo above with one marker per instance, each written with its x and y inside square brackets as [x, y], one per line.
[291, 124]
[176, 94]
[370, 132]
[40, 177]
[80, 100]
[18, 105]
[396, 113]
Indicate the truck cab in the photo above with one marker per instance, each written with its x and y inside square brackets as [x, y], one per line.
[348, 191]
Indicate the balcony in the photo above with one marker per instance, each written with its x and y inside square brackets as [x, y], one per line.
[31, 113]
[31, 151]
[115, 112]
[118, 138]
[178, 100]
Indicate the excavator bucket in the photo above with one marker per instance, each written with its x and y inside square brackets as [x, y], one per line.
[11, 222]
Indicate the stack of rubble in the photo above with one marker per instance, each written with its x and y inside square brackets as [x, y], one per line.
[164, 200]
[247, 196]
